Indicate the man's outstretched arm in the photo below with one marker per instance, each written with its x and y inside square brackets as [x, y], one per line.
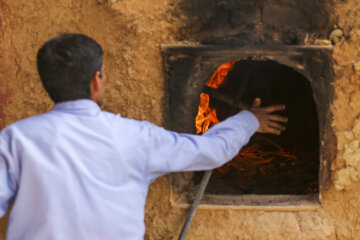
[171, 151]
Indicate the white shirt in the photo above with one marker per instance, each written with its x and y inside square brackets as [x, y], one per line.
[77, 172]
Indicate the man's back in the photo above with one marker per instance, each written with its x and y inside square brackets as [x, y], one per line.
[79, 174]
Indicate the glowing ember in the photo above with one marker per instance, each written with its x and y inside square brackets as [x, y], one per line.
[260, 151]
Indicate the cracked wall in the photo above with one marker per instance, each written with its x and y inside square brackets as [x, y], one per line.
[130, 33]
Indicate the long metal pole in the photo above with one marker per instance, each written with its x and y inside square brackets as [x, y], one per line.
[195, 204]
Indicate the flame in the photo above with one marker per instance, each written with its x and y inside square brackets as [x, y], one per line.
[206, 117]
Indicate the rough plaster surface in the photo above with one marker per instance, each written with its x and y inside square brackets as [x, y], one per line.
[130, 32]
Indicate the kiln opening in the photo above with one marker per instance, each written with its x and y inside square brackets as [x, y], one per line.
[290, 169]
[268, 164]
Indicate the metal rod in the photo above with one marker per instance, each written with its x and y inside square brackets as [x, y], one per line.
[224, 98]
[195, 204]
[242, 87]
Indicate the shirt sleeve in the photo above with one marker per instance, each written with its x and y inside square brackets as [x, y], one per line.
[7, 180]
[173, 152]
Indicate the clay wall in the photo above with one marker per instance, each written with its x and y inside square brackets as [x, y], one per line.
[131, 33]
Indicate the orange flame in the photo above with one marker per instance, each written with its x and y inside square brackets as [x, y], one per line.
[206, 117]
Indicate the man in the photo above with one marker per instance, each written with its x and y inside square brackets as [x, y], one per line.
[77, 172]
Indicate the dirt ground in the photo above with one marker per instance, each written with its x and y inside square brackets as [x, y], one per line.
[131, 33]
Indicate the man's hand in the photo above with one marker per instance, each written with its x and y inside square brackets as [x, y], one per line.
[269, 123]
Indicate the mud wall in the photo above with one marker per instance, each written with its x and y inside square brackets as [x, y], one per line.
[130, 33]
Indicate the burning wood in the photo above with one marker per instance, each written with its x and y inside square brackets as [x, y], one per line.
[259, 152]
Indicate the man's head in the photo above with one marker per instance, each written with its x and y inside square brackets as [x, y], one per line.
[67, 66]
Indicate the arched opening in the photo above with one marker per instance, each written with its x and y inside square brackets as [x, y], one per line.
[268, 164]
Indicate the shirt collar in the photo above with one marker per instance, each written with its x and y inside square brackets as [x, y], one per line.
[81, 107]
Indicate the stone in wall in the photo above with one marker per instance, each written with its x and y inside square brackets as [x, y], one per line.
[247, 15]
[349, 173]
[277, 15]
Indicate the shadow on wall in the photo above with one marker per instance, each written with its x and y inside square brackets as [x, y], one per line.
[242, 22]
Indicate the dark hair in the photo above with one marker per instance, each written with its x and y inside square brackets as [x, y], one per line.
[66, 65]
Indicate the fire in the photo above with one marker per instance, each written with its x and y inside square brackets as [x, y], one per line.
[206, 117]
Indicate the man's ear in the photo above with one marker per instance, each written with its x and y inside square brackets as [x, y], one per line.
[95, 84]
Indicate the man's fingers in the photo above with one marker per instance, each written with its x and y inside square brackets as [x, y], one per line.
[274, 108]
[277, 126]
[278, 118]
[269, 123]
[273, 131]
[274, 128]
